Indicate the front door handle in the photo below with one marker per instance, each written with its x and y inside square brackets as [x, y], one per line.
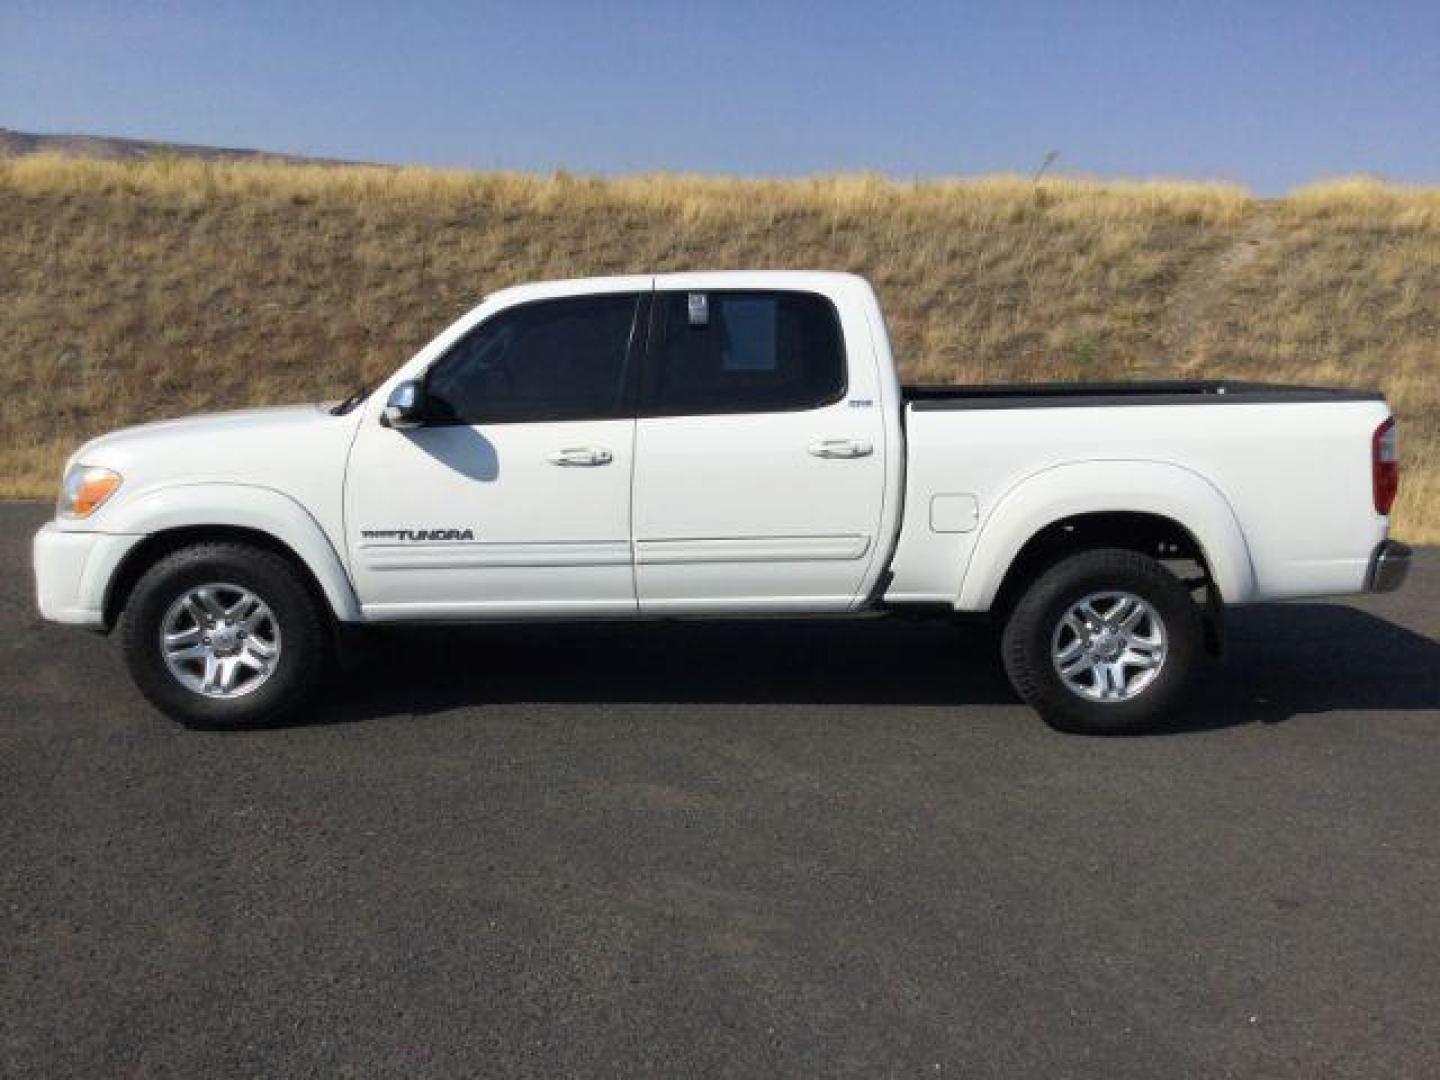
[841, 448]
[580, 455]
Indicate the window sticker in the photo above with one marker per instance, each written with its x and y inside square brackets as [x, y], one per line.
[699, 309]
[750, 334]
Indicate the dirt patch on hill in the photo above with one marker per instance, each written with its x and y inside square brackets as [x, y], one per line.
[1206, 293]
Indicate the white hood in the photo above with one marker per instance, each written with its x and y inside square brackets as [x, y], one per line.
[296, 449]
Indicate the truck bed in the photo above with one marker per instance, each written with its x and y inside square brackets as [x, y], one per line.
[935, 396]
[1286, 477]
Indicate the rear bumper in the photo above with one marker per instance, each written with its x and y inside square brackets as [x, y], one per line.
[73, 571]
[1388, 567]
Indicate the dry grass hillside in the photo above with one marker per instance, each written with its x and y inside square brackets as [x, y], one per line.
[133, 290]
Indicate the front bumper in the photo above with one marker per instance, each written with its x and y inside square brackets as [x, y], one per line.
[1388, 567]
[73, 571]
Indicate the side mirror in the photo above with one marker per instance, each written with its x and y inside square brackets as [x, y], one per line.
[402, 410]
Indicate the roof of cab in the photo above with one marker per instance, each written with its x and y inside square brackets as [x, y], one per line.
[810, 280]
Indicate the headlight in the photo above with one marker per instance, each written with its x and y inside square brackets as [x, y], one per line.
[85, 488]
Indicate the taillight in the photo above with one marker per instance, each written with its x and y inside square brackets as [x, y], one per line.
[1385, 465]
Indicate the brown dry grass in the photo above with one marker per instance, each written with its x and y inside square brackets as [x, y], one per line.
[130, 291]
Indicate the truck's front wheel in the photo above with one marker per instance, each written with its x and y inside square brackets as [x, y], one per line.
[1103, 642]
[224, 635]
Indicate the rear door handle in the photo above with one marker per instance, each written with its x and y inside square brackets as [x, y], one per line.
[580, 455]
[841, 448]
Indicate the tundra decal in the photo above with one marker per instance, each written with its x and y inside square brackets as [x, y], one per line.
[417, 536]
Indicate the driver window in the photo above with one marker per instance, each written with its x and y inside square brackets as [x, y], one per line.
[550, 360]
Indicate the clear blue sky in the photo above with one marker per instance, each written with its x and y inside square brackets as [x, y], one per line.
[1271, 93]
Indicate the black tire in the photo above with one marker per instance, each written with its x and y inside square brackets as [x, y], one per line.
[1029, 640]
[303, 657]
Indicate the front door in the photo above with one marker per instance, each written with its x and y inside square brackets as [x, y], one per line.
[759, 460]
[514, 498]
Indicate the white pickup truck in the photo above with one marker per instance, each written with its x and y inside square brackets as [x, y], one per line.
[717, 445]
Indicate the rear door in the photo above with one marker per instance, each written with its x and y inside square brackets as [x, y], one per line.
[759, 467]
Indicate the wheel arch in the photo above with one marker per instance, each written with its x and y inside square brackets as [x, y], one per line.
[172, 518]
[1155, 508]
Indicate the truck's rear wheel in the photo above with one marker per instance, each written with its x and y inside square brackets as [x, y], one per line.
[224, 635]
[1103, 642]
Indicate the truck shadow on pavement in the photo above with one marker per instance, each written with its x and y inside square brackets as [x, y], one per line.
[1284, 661]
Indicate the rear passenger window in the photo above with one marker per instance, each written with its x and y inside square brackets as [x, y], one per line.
[744, 352]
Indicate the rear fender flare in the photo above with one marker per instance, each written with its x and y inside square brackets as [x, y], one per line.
[1149, 487]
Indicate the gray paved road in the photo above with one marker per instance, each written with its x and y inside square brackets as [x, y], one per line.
[726, 850]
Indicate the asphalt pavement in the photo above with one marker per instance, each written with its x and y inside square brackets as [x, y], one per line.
[726, 849]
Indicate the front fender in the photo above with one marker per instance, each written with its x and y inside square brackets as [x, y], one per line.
[246, 507]
[1147, 487]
